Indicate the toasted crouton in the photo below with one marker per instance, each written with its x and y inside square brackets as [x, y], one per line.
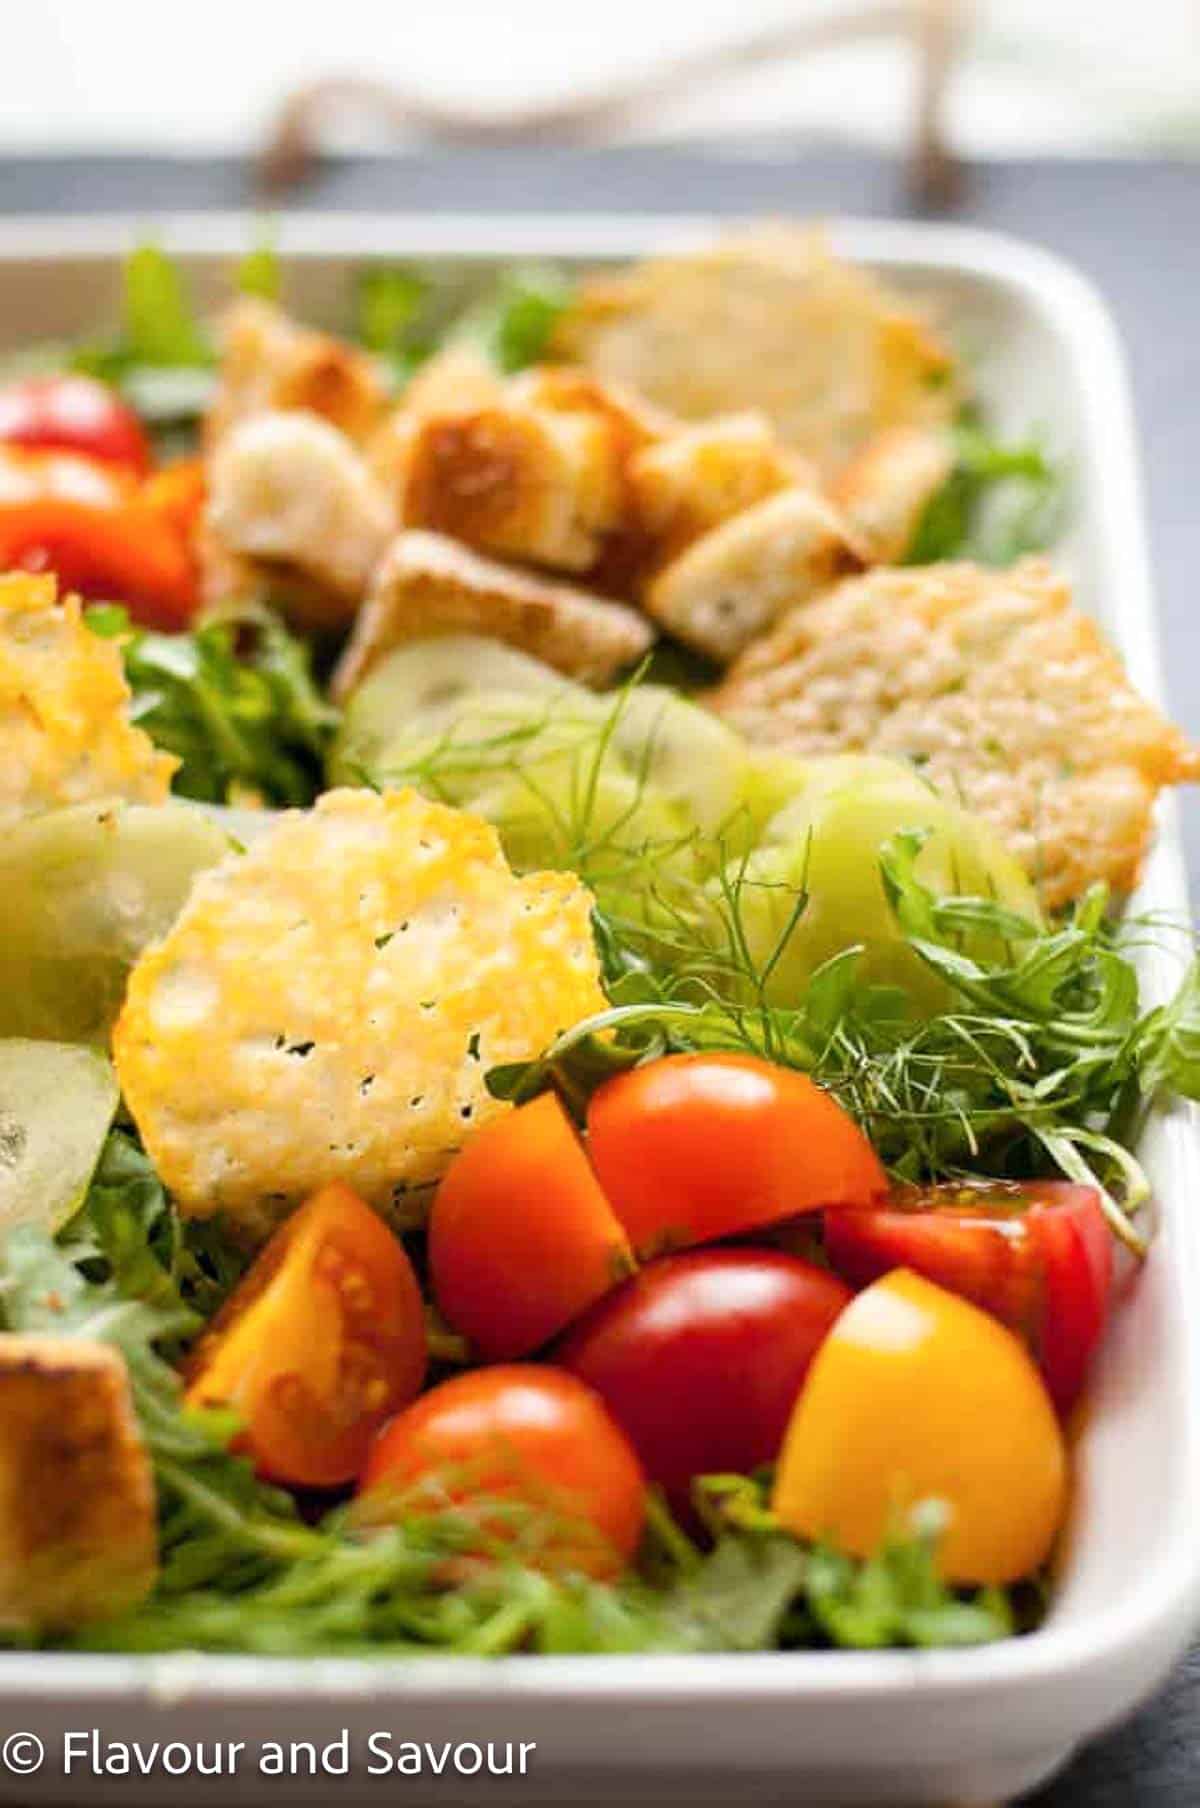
[766, 319]
[328, 1004]
[564, 389]
[428, 585]
[65, 732]
[692, 480]
[458, 379]
[1007, 697]
[268, 361]
[540, 485]
[884, 492]
[735, 581]
[291, 500]
[77, 1513]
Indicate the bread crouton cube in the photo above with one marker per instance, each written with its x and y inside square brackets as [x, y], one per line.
[531, 484]
[734, 582]
[292, 504]
[884, 492]
[691, 481]
[77, 1505]
[428, 585]
[269, 361]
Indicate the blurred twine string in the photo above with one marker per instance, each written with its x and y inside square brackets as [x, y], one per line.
[933, 29]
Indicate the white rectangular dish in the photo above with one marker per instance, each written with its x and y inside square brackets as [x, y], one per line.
[829, 1728]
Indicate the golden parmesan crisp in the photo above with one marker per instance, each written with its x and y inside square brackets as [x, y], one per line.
[1005, 695]
[65, 732]
[327, 1005]
[770, 319]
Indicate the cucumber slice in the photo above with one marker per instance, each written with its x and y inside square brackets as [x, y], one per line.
[690, 757]
[430, 677]
[57, 1102]
[82, 891]
[826, 842]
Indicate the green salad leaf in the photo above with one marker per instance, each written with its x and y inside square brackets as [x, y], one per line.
[161, 357]
[514, 324]
[391, 305]
[260, 271]
[234, 699]
[1001, 500]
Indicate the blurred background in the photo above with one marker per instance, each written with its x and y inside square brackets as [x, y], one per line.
[1028, 76]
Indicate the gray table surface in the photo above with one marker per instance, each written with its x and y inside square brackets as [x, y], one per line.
[1134, 227]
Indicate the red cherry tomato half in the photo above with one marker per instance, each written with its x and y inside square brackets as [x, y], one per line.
[525, 1437]
[77, 414]
[700, 1358]
[693, 1148]
[128, 554]
[321, 1341]
[1036, 1254]
[521, 1238]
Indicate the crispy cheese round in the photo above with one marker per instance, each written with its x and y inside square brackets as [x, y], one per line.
[327, 1005]
[65, 732]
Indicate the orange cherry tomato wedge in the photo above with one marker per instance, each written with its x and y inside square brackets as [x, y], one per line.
[1036, 1254]
[321, 1341]
[521, 1238]
[916, 1395]
[693, 1148]
[76, 413]
[516, 1436]
[178, 493]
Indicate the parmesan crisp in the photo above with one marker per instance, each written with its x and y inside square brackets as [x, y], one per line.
[65, 732]
[327, 1005]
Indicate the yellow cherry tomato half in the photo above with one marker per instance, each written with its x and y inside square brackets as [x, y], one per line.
[917, 1395]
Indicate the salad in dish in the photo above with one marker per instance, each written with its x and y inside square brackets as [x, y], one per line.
[571, 1049]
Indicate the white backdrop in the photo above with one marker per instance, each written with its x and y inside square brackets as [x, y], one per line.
[1041, 74]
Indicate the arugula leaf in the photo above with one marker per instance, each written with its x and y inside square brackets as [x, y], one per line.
[514, 325]
[158, 326]
[234, 699]
[1001, 500]
[897, 1597]
[260, 272]
[390, 304]
[161, 359]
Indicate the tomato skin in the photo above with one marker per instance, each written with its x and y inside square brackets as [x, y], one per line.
[700, 1357]
[178, 492]
[918, 1395]
[517, 1432]
[76, 413]
[1036, 1254]
[128, 555]
[323, 1339]
[693, 1148]
[521, 1238]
